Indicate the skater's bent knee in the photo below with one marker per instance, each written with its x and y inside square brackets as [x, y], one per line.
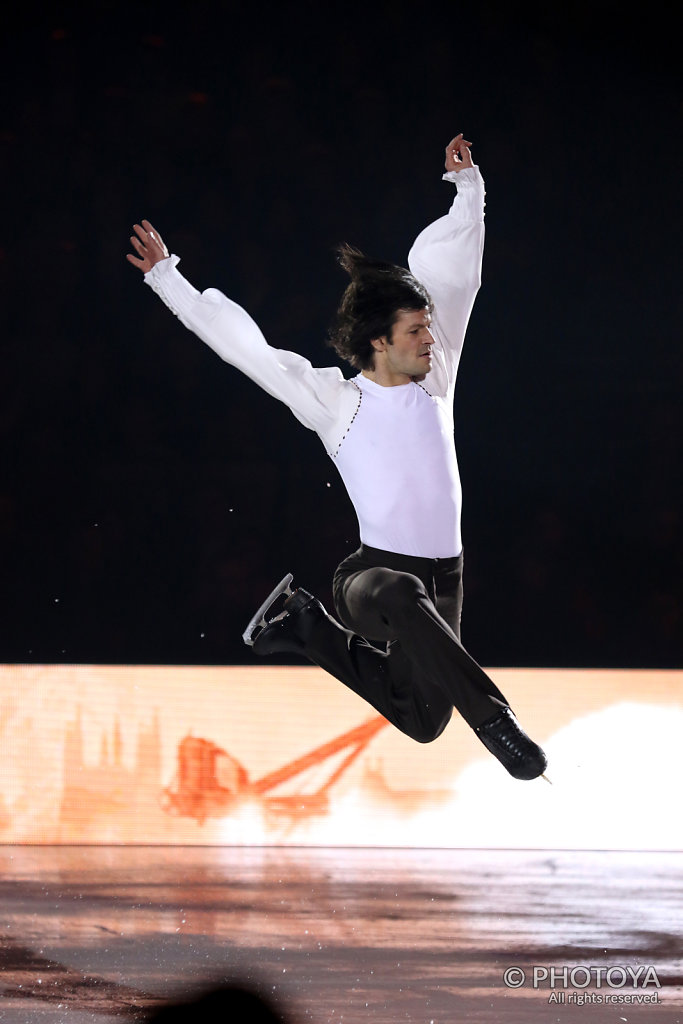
[427, 730]
[426, 734]
[400, 591]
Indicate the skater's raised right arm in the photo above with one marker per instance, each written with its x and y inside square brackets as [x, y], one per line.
[312, 394]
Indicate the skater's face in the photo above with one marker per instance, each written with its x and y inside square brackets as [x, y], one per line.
[407, 355]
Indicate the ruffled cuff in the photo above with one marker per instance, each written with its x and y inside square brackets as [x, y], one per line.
[469, 202]
[171, 287]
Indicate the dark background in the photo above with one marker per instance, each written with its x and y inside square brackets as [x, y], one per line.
[151, 496]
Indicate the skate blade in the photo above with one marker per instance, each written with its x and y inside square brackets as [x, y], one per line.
[259, 619]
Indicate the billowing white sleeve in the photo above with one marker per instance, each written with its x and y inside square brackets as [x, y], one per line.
[312, 394]
[446, 258]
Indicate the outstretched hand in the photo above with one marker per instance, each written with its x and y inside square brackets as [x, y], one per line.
[458, 154]
[149, 246]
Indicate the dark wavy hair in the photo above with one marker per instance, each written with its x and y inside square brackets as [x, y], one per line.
[370, 306]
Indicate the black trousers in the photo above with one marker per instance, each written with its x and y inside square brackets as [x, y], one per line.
[412, 605]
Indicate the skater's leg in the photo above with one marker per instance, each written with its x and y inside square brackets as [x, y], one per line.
[389, 681]
[386, 682]
[379, 600]
[383, 604]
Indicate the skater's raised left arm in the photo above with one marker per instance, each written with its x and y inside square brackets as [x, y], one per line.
[447, 256]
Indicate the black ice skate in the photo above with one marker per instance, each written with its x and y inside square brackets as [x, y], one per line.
[285, 631]
[508, 742]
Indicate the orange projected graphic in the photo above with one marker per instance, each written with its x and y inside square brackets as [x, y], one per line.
[288, 756]
[197, 793]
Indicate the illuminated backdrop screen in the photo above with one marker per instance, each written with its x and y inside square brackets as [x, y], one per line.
[287, 756]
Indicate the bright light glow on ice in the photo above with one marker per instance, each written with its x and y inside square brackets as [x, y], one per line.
[614, 775]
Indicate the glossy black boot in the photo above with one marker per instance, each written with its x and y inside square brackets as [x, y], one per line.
[508, 742]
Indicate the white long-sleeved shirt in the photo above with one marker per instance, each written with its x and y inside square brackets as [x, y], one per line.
[393, 446]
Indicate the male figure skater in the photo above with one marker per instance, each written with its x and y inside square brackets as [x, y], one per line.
[390, 432]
